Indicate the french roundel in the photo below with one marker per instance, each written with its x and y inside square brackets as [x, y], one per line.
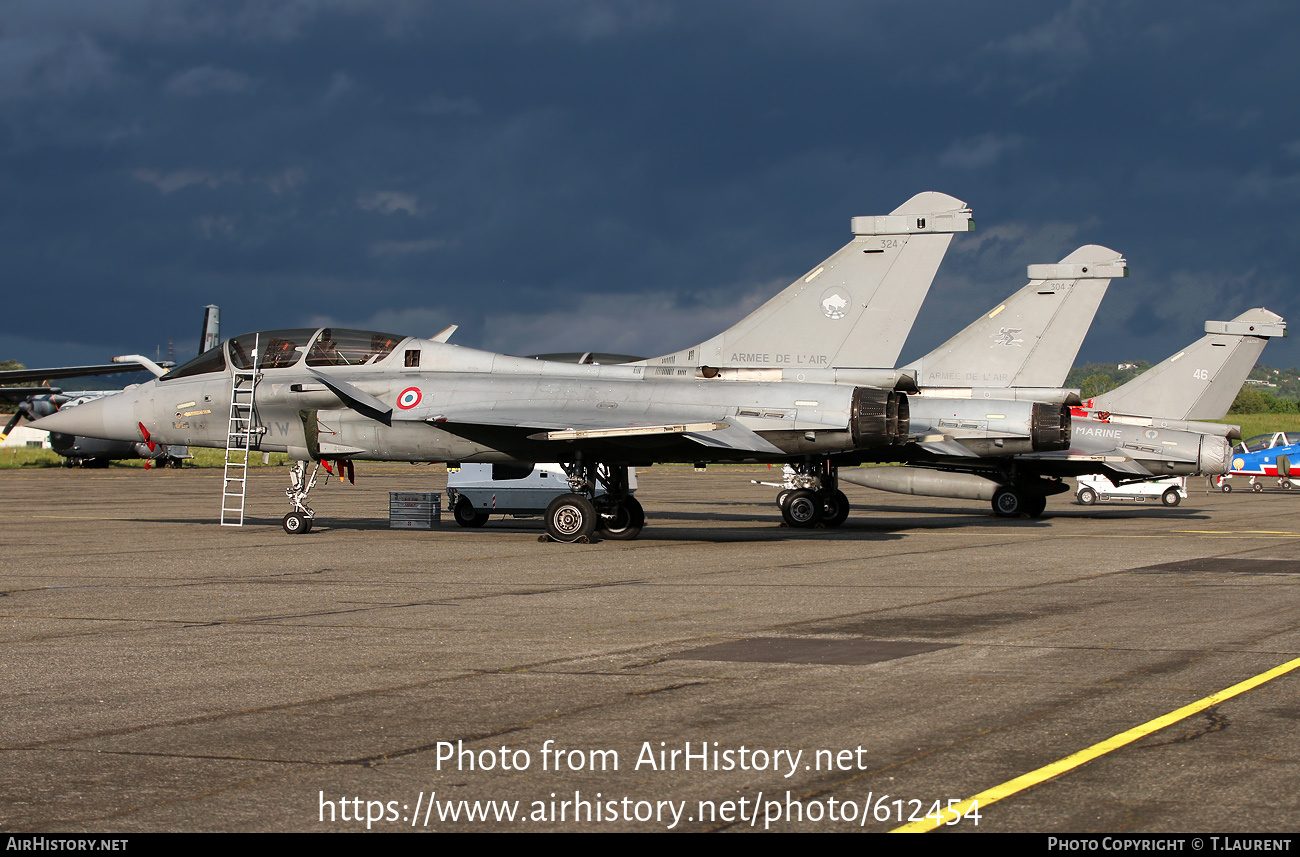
[409, 398]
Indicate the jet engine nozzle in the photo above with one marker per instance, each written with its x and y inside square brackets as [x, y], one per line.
[1215, 456]
[879, 417]
[1049, 427]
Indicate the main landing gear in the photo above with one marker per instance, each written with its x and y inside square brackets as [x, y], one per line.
[813, 498]
[1011, 502]
[614, 514]
[300, 518]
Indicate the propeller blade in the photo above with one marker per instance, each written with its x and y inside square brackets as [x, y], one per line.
[18, 415]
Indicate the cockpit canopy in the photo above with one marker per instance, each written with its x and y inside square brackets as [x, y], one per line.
[1261, 442]
[280, 349]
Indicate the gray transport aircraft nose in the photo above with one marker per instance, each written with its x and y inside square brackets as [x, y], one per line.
[109, 418]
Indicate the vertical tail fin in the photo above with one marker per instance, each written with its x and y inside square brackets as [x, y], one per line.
[1032, 338]
[210, 338]
[1201, 381]
[853, 310]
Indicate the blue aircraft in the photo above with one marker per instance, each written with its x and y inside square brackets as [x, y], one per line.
[1265, 455]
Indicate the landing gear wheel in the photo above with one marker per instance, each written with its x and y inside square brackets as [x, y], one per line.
[466, 515]
[1034, 506]
[1171, 498]
[1008, 503]
[1287, 484]
[1257, 488]
[835, 509]
[571, 518]
[296, 523]
[781, 497]
[1087, 496]
[803, 508]
[1226, 488]
[626, 522]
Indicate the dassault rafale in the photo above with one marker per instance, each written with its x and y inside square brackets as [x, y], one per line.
[793, 381]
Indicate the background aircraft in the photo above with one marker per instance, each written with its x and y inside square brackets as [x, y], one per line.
[1263, 455]
[34, 402]
[1197, 382]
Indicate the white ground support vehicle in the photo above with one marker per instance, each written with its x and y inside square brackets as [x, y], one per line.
[476, 491]
[1094, 488]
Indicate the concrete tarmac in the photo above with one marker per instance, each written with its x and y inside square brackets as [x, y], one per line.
[722, 672]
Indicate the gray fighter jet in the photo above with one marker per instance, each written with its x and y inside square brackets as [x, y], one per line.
[787, 382]
[989, 392]
[1115, 434]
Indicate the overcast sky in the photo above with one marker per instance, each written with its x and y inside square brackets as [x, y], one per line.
[627, 176]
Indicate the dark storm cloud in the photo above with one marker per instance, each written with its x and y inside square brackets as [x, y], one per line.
[625, 176]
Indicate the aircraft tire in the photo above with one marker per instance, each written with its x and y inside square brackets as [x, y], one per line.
[803, 508]
[1035, 506]
[1257, 488]
[1226, 488]
[835, 509]
[466, 515]
[1087, 496]
[1008, 503]
[296, 523]
[570, 518]
[781, 497]
[628, 520]
[1171, 498]
[1288, 484]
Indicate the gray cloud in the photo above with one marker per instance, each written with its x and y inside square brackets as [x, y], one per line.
[389, 202]
[407, 248]
[171, 182]
[618, 162]
[980, 151]
[206, 79]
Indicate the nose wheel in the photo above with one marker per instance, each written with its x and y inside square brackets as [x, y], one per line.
[299, 519]
[296, 522]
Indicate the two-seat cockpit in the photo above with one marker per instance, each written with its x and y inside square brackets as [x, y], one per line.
[281, 349]
[1261, 442]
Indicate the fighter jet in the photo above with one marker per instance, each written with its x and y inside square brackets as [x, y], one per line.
[786, 382]
[990, 391]
[1109, 434]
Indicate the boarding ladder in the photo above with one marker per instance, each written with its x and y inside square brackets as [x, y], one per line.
[239, 442]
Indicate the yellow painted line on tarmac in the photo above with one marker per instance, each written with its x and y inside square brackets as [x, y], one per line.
[1033, 778]
[1241, 532]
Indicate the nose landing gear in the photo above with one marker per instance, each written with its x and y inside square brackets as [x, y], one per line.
[299, 519]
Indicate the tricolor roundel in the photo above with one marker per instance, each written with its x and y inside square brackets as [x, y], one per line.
[409, 398]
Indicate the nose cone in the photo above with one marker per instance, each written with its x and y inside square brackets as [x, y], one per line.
[111, 418]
